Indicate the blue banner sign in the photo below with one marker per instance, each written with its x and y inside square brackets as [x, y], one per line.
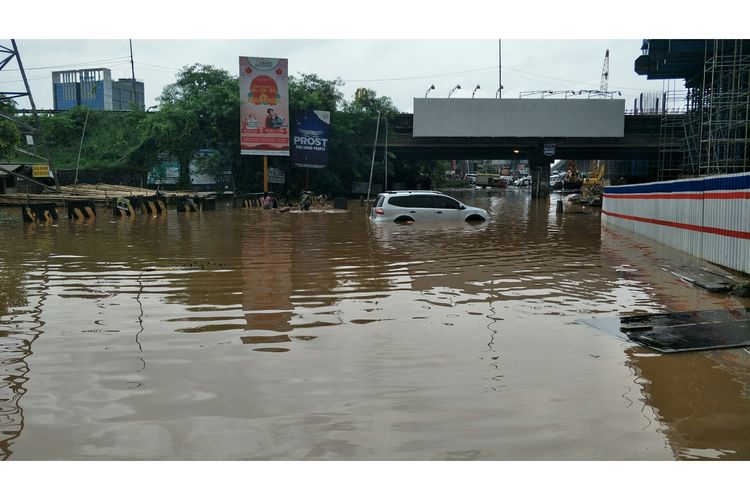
[310, 139]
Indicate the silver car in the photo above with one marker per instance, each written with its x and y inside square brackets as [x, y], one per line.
[423, 206]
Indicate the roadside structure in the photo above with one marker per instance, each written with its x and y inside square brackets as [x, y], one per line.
[95, 88]
[702, 204]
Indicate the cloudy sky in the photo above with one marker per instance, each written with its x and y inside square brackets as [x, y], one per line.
[399, 69]
[398, 49]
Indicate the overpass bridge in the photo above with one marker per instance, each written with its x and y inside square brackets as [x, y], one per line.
[639, 142]
[474, 129]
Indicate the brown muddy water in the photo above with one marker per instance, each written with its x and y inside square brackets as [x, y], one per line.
[250, 335]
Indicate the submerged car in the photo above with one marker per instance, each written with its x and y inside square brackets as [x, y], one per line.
[423, 206]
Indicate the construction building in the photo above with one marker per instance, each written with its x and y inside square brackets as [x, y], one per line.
[710, 134]
[94, 88]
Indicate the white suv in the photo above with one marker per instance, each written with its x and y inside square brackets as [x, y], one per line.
[423, 206]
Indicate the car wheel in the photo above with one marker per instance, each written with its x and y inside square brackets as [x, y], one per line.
[403, 219]
[475, 218]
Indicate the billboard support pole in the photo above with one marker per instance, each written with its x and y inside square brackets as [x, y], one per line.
[265, 173]
[307, 179]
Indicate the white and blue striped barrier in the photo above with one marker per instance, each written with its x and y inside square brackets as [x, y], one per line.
[708, 217]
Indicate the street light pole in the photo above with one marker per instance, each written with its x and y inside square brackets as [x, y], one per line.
[499, 69]
[432, 87]
[457, 87]
[475, 91]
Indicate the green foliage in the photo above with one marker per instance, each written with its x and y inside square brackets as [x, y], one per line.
[108, 140]
[351, 136]
[309, 91]
[9, 134]
[9, 137]
[200, 110]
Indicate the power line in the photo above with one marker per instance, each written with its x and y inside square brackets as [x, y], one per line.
[548, 77]
[156, 66]
[487, 70]
[570, 81]
[47, 77]
[484, 69]
[38, 68]
[29, 79]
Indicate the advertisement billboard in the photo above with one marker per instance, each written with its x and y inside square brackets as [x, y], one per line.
[264, 106]
[165, 172]
[310, 139]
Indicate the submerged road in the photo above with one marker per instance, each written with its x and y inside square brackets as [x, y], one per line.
[246, 334]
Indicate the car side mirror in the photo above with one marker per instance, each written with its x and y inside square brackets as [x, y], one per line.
[461, 207]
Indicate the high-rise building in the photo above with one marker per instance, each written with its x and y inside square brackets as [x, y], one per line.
[94, 88]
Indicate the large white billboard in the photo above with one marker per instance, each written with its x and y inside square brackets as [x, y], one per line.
[519, 117]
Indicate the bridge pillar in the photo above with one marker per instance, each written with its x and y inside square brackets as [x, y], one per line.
[539, 166]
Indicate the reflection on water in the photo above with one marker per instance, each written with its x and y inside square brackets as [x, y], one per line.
[246, 334]
[703, 399]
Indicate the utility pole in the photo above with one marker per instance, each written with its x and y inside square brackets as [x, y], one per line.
[132, 72]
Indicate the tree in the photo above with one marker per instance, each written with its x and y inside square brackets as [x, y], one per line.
[106, 139]
[309, 91]
[199, 111]
[357, 134]
[9, 134]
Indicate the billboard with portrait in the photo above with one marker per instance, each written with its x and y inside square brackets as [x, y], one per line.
[310, 138]
[264, 106]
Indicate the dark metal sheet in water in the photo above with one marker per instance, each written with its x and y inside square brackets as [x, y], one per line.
[265, 339]
[693, 337]
[685, 331]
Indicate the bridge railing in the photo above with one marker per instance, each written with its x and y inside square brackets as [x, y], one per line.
[660, 103]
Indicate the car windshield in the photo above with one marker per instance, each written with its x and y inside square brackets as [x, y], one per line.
[379, 201]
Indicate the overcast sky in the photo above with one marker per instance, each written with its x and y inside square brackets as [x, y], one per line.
[399, 69]
[545, 46]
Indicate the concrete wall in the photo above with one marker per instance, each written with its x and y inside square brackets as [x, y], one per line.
[519, 118]
[707, 217]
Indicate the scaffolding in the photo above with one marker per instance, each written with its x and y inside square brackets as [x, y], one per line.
[724, 140]
[672, 146]
[712, 135]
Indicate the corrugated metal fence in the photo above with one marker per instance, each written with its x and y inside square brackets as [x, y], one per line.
[708, 217]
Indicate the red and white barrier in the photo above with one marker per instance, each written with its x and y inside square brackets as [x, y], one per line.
[708, 217]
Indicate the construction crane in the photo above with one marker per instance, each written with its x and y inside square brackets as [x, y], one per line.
[592, 184]
[605, 74]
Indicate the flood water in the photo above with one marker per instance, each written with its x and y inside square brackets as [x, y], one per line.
[244, 334]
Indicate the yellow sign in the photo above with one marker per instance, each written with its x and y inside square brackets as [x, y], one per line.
[40, 170]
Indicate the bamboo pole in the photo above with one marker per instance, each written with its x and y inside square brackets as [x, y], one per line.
[372, 163]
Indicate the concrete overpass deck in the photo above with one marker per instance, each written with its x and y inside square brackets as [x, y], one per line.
[640, 141]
